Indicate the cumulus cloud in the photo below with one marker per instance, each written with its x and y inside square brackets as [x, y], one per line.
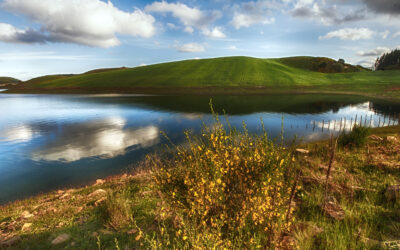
[367, 63]
[214, 33]
[350, 34]
[397, 34]
[10, 34]
[190, 48]
[87, 22]
[327, 14]
[391, 7]
[190, 17]
[374, 52]
[251, 13]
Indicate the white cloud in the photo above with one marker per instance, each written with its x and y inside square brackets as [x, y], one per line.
[172, 26]
[397, 34]
[350, 34]
[374, 52]
[385, 34]
[327, 14]
[368, 63]
[88, 22]
[190, 17]
[251, 13]
[232, 47]
[190, 47]
[189, 29]
[10, 34]
[214, 33]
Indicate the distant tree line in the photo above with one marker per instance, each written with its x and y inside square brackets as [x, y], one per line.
[388, 61]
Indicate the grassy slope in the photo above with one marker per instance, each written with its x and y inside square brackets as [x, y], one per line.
[358, 181]
[229, 71]
[228, 75]
[4, 79]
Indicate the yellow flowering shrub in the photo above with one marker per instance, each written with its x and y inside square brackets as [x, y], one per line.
[230, 188]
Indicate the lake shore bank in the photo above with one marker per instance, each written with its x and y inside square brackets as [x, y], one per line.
[82, 217]
[385, 92]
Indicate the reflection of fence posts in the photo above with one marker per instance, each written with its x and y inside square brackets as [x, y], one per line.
[351, 123]
[323, 125]
[379, 122]
[370, 122]
[329, 126]
[340, 128]
[344, 125]
[313, 127]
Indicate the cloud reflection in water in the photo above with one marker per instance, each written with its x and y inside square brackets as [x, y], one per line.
[17, 134]
[104, 138]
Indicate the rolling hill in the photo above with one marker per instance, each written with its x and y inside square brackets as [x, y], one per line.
[225, 72]
[8, 80]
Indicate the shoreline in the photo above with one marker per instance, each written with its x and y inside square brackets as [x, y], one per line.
[386, 92]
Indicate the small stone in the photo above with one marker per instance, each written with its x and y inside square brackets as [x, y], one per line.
[60, 191]
[26, 215]
[26, 226]
[376, 138]
[302, 151]
[10, 242]
[61, 239]
[391, 139]
[98, 192]
[99, 182]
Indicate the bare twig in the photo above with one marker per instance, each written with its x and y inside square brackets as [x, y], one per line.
[332, 148]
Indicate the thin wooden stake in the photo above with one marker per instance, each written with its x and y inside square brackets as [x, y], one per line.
[332, 145]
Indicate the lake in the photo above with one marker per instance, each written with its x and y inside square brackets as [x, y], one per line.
[49, 142]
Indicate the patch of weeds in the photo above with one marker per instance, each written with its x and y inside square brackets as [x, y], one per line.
[356, 138]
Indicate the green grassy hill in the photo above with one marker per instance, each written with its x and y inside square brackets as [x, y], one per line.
[226, 72]
[7, 80]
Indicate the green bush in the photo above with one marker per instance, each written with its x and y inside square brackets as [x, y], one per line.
[356, 138]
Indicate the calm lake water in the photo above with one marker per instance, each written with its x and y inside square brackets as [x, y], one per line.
[55, 141]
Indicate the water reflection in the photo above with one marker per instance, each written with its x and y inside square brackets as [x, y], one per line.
[53, 141]
[99, 138]
[17, 134]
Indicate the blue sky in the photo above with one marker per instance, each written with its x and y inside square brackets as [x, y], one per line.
[39, 37]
